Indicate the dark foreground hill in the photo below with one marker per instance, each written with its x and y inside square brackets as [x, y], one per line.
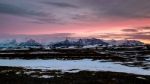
[14, 75]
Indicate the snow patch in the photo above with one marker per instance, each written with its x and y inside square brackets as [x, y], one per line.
[77, 65]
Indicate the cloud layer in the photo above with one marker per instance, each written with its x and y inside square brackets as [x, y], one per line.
[77, 16]
[140, 33]
[95, 9]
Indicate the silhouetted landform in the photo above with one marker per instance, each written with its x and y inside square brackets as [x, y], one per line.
[14, 75]
[121, 53]
[55, 53]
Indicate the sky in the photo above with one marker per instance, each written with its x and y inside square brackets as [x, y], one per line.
[103, 19]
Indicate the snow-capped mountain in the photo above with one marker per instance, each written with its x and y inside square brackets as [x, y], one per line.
[79, 43]
[29, 43]
[9, 44]
[93, 42]
[124, 42]
[13, 44]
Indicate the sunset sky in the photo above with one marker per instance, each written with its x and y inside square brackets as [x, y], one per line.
[104, 19]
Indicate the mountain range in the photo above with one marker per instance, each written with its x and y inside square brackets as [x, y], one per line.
[70, 42]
